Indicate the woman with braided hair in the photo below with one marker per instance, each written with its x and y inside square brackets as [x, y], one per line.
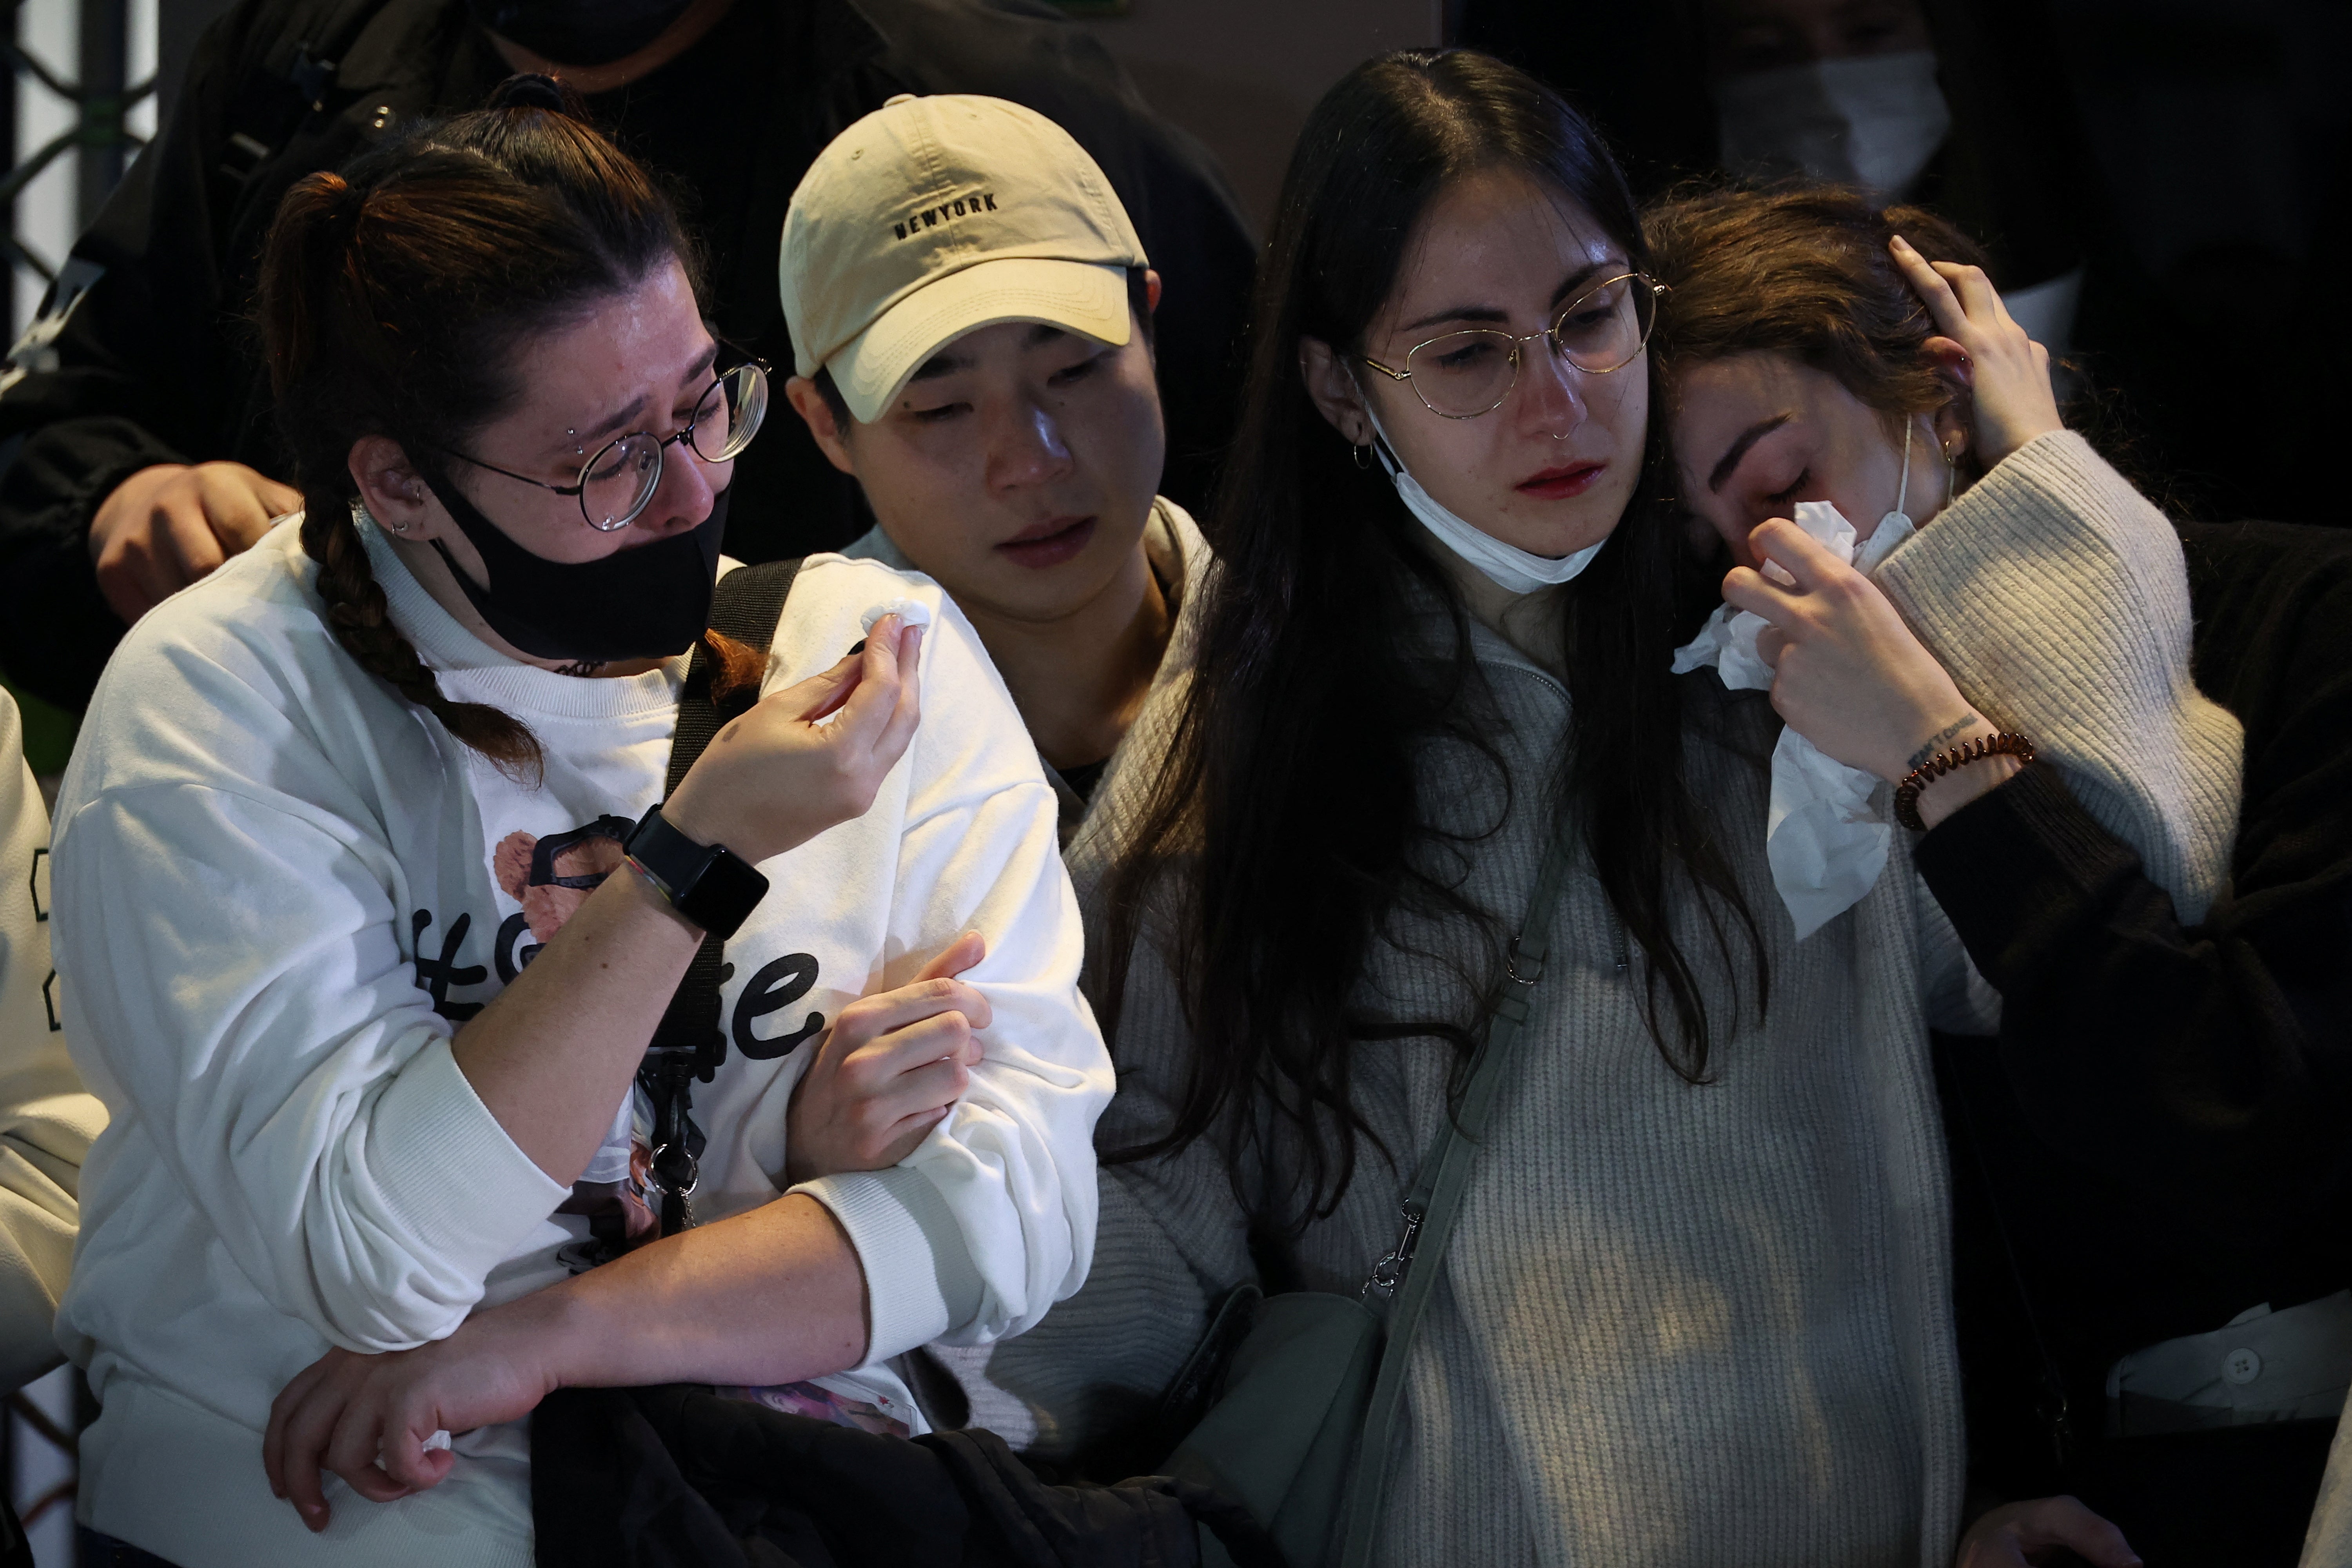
[370, 897]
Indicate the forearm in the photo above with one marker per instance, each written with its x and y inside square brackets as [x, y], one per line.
[1946, 794]
[772, 1296]
[2178, 1056]
[554, 1054]
[2054, 595]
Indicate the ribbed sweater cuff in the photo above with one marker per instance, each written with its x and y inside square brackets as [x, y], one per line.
[919, 1277]
[466, 1193]
[2056, 597]
[2001, 861]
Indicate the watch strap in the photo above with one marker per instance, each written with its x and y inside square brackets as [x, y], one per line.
[707, 883]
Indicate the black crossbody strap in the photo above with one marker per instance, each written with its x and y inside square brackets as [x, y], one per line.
[689, 1042]
[1434, 1202]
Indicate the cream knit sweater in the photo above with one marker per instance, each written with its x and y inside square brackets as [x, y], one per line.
[1680, 1325]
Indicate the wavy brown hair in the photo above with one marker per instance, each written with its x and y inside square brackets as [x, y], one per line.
[1292, 797]
[393, 297]
[1801, 270]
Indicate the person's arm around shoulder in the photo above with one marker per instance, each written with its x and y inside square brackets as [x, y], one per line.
[2057, 597]
[2203, 1065]
[122, 390]
[991, 1218]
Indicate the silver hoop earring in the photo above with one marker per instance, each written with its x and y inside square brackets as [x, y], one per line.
[1363, 455]
[400, 528]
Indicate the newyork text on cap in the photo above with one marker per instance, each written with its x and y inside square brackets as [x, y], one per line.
[934, 217]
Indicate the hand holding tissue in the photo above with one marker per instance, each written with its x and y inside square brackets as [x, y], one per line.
[1828, 827]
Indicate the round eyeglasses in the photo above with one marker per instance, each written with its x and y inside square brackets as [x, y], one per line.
[618, 480]
[1463, 374]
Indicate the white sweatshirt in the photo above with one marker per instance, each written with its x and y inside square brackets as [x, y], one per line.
[279, 892]
[46, 1120]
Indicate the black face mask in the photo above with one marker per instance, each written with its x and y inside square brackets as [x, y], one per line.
[577, 32]
[647, 603]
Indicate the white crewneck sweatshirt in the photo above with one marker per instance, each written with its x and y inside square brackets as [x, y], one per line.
[281, 888]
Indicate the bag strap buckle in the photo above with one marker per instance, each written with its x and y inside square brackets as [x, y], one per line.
[1390, 1271]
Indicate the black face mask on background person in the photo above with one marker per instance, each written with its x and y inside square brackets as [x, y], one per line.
[577, 32]
[651, 602]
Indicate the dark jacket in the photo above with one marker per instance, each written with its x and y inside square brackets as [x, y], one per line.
[142, 355]
[678, 1477]
[2013, 171]
[2159, 1139]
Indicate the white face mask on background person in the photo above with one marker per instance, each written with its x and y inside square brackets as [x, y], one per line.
[1508, 567]
[1874, 121]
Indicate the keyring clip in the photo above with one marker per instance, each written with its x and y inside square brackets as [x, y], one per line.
[682, 1187]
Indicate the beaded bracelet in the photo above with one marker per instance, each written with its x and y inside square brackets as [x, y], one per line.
[1906, 793]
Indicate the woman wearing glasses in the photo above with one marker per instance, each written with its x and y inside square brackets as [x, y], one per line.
[369, 901]
[1696, 1306]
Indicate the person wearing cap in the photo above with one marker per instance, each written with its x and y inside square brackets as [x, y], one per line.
[971, 308]
[136, 446]
[971, 322]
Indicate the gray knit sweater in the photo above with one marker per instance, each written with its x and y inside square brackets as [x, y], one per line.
[1677, 1324]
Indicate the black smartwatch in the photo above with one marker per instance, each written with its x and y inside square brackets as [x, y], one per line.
[703, 882]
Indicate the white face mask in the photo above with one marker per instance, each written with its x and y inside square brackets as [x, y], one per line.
[1508, 567]
[1873, 121]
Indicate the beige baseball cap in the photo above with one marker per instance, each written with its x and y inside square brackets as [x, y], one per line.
[934, 217]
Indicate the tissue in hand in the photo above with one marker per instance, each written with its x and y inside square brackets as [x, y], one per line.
[910, 613]
[1826, 832]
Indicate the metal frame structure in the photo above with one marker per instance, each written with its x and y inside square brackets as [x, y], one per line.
[100, 138]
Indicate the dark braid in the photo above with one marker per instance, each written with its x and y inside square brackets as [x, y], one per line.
[391, 297]
[356, 613]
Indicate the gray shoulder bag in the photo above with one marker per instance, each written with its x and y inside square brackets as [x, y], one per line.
[1306, 1412]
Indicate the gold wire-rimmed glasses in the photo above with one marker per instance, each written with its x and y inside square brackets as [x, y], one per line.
[1460, 376]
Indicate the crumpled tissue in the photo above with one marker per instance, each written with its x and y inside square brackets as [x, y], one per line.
[1828, 827]
[910, 613]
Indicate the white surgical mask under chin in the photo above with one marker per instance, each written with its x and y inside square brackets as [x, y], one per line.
[1508, 567]
[1873, 121]
[1896, 526]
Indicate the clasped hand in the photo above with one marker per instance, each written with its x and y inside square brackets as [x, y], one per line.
[888, 1070]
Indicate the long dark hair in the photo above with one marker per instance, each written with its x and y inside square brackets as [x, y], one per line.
[1291, 788]
[393, 295]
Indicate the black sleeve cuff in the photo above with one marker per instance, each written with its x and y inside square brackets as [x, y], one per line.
[2021, 864]
[56, 628]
